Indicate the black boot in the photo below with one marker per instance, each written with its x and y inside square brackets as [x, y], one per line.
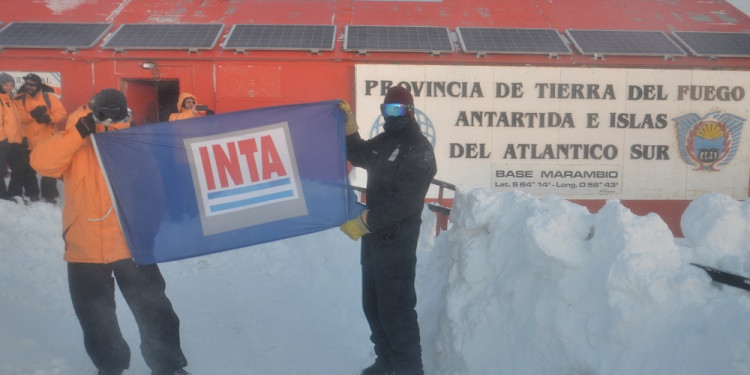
[380, 367]
[176, 372]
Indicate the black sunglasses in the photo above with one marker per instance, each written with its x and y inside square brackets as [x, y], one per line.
[114, 113]
[31, 84]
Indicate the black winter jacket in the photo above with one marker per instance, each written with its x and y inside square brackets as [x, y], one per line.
[400, 166]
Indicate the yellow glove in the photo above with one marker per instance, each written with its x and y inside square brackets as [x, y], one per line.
[357, 227]
[351, 123]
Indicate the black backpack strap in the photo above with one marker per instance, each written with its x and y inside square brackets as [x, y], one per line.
[46, 99]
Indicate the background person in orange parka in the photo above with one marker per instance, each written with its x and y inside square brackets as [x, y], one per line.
[10, 127]
[41, 110]
[188, 107]
[96, 249]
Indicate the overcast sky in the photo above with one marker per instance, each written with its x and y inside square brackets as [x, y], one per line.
[743, 5]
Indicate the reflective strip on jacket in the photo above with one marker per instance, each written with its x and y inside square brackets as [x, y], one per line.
[91, 230]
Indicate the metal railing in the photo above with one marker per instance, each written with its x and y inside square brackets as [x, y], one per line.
[442, 211]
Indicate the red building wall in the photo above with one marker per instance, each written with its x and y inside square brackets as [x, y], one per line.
[228, 81]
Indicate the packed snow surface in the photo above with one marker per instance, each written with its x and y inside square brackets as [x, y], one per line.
[517, 285]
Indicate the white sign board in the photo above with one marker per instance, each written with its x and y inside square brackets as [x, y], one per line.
[579, 133]
[53, 79]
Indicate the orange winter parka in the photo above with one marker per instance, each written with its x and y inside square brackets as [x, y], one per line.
[31, 129]
[91, 230]
[184, 113]
[76, 115]
[10, 123]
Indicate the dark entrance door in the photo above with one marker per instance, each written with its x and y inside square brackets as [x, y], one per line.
[151, 101]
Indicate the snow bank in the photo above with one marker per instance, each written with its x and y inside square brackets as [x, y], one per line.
[540, 286]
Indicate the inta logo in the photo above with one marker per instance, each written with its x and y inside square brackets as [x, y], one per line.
[245, 178]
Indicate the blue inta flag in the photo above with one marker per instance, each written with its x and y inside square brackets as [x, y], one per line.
[194, 187]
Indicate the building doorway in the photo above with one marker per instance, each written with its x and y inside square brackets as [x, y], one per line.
[151, 101]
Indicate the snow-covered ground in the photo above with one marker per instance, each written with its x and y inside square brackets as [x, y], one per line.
[518, 285]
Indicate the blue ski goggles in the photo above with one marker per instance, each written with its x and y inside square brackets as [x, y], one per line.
[395, 109]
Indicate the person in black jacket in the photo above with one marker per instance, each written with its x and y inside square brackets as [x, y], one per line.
[400, 165]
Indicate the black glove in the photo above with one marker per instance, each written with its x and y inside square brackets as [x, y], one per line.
[38, 111]
[86, 125]
[44, 119]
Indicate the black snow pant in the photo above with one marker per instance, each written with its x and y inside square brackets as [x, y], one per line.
[22, 176]
[49, 188]
[4, 149]
[92, 291]
[389, 262]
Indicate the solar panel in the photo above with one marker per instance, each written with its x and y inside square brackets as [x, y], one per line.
[172, 36]
[715, 44]
[482, 40]
[71, 36]
[430, 39]
[312, 38]
[623, 42]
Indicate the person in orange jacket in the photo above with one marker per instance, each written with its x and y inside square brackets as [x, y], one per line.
[10, 127]
[188, 107]
[41, 111]
[95, 249]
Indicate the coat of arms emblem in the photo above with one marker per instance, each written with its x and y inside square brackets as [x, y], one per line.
[710, 141]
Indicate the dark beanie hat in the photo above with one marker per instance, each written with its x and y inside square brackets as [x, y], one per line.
[33, 77]
[398, 94]
[5, 77]
[111, 98]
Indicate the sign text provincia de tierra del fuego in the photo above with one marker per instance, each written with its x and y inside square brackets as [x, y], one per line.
[587, 133]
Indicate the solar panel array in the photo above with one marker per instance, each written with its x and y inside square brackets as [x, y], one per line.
[482, 40]
[622, 42]
[312, 38]
[430, 39]
[715, 44]
[363, 39]
[70, 36]
[165, 36]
